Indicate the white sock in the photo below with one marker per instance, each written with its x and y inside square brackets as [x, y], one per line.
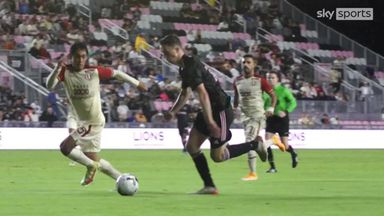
[108, 169]
[78, 156]
[252, 161]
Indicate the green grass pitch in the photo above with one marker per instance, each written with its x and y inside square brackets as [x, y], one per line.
[326, 182]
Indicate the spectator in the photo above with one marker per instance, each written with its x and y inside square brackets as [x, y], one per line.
[305, 120]
[30, 115]
[49, 116]
[365, 91]
[140, 43]
[140, 117]
[335, 79]
[325, 119]
[123, 111]
[334, 120]
[223, 25]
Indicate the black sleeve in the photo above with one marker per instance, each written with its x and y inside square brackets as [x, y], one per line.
[196, 75]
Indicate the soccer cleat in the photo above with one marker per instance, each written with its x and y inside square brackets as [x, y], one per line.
[276, 140]
[90, 174]
[207, 190]
[272, 170]
[250, 177]
[260, 148]
[295, 160]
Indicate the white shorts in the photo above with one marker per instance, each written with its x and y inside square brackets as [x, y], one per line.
[90, 136]
[252, 127]
[71, 122]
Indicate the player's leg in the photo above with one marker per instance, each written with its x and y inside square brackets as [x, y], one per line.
[92, 148]
[290, 150]
[68, 149]
[251, 130]
[284, 133]
[221, 151]
[71, 128]
[272, 169]
[195, 141]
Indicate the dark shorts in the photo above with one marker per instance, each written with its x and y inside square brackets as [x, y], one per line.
[223, 119]
[182, 125]
[275, 124]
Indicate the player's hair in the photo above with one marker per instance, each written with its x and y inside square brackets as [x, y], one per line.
[250, 56]
[78, 46]
[277, 74]
[170, 40]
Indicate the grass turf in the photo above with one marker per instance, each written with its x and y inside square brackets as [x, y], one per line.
[326, 182]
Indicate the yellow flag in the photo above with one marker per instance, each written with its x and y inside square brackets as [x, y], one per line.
[212, 2]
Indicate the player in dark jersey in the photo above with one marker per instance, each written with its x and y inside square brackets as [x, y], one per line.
[279, 121]
[215, 118]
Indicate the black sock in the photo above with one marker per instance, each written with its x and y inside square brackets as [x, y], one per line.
[291, 150]
[239, 149]
[270, 158]
[203, 169]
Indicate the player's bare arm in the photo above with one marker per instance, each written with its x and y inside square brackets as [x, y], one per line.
[271, 94]
[207, 110]
[119, 75]
[179, 103]
[236, 96]
[52, 79]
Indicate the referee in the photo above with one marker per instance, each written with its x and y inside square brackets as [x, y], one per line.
[279, 121]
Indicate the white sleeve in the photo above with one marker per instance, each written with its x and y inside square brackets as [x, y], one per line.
[53, 77]
[125, 77]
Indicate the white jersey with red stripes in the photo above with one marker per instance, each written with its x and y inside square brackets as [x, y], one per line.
[250, 92]
[83, 92]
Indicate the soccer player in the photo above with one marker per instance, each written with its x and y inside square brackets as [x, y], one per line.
[82, 86]
[279, 121]
[248, 95]
[215, 118]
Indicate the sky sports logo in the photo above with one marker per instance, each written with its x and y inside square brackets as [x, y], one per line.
[346, 14]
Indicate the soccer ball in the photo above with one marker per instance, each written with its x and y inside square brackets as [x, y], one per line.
[127, 184]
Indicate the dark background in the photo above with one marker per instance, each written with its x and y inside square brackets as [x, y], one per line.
[368, 33]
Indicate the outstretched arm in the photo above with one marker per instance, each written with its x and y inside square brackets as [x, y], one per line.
[119, 75]
[53, 78]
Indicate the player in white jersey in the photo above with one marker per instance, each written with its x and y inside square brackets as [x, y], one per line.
[248, 89]
[82, 86]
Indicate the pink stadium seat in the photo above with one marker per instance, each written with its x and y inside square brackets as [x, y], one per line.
[333, 53]
[212, 27]
[176, 26]
[194, 6]
[145, 11]
[158, 106]
[187, 26]
[350, 54]
[91, 28]
[166, 105]
[307, 46]
[19, 39]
